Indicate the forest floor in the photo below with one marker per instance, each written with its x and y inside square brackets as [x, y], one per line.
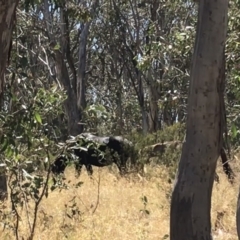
[114, 208]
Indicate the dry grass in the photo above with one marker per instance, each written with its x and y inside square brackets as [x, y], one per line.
[116, 212]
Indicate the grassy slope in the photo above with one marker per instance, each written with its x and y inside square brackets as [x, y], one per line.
[118, 213]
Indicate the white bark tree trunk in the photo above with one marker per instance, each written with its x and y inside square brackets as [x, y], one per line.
[191, 198]
[81, 73]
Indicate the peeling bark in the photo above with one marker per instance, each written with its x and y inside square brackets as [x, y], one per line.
[191, 199]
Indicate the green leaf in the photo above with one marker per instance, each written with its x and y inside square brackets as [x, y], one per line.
[147, 212]
[57, 46]
[79, 184]
[4, 144]
[9, 151]
[100, 108]
[38, 118]
[166, 236]
[26, 185]
[234, 131]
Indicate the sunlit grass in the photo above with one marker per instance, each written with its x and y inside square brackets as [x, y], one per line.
[113, 208]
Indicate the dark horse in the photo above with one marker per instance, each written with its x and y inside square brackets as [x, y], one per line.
[97, 151]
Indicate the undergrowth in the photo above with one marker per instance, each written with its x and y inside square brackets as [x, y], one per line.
[110, 207]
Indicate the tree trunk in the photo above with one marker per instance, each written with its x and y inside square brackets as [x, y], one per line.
[144, 121]
[61, 56]
[152, 83]
[81, 74]
[153, 107]
[238, 215]
[81, 88]
[141, 101]
[70, 104]
[7, 15]
[191, 198]
[119, 110]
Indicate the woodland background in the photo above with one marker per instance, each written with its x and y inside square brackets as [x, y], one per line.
[113, 67]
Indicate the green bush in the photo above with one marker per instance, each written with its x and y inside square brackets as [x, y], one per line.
[171, 154]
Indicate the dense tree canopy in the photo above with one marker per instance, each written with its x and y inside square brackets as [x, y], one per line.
[123, 65]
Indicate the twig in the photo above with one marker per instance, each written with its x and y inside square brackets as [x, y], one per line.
[26, 205]
[14, 209]
[40, 197]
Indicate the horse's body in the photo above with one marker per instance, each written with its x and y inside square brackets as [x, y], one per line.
[98, 151]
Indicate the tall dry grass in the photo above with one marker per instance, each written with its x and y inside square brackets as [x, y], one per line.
[113, 208]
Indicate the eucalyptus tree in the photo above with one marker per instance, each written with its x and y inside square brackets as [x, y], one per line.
[143, 41]
[57, 44]
[206, 123]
